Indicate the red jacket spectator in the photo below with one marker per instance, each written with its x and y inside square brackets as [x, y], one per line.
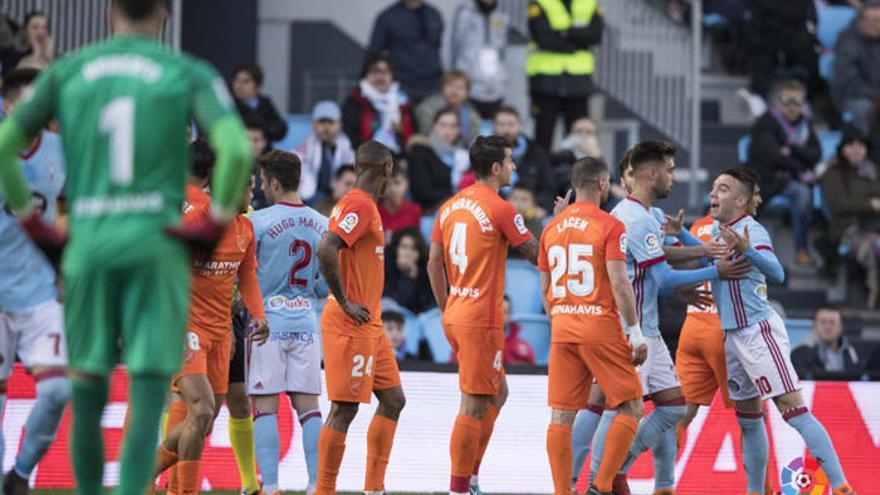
[516, 350]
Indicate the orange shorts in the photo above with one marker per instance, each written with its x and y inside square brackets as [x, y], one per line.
[701, 366]
[356, 366]
[573, 366]
[206, 354]
[479, 352]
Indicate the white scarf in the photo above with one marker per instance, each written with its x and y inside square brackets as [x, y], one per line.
[387, 103]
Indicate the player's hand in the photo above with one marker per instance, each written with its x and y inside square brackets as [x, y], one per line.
[739, 243]
[201, 234]
[356, 312]
[561, 203]
[673, 225]
[715, 250]
[638, 344]
[694, 295]
[729, 268]
[259, 330]
[47, 238]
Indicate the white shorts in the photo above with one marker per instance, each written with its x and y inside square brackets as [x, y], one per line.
[658, 371]
[287, 362]
[759, 360]
[36, 335]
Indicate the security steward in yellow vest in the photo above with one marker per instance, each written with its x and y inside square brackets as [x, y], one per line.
[561, 62]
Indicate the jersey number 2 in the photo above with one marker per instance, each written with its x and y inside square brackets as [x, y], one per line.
[117, 120]
[575, 265]
[305, 248]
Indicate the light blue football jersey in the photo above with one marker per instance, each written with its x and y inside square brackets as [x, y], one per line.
[26, 277]
[645, 240]
[287, 248]
[744, 302]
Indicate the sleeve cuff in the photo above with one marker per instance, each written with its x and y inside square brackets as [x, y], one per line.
[651, 262]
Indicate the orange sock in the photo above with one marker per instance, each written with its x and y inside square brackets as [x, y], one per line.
[560, 455]
[463, 448]
[486, 428]
[176, 415]
[617, 442]
[380, 438]
[188, 477]
[331, 447]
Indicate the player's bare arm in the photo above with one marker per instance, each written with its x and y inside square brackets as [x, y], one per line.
[529, 250]
[626, 304]
[437, 275]
[329, 261]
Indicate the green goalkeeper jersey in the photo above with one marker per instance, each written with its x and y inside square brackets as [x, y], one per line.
[124, 106]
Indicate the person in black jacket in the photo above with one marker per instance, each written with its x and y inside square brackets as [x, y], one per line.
[533, 168]
[437, 164]
[406, 278]
[784, 150]
[246, 82]
[828, 351]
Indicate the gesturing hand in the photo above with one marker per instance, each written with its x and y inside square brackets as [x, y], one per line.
[694, 295]
[561, 203]
[715, 250]
[739, 243]
[260, 330]
[673, 225]
[356, 312]
[728, 268]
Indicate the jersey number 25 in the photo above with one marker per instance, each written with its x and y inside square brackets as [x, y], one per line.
[574, 263]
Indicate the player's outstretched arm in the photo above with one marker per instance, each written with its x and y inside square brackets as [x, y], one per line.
[529, 250]
[626, 304]
[437, 275]
[12, 182]
[328, 259]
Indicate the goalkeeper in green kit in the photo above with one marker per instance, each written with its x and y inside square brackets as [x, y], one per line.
[123, 106]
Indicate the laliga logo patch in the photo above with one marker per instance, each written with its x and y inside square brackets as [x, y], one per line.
[652, 244]
[349, 222]
[623, 243]
[520, 224]
[804, 476]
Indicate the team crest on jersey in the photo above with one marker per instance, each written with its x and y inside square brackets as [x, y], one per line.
[241, 241]
[520, 224]
[761, 291]
[652, 244]
[349, 222]
[623, 243]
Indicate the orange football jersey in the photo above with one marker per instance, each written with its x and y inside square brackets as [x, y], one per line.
[703, 320]
[475, 228]
[574, 249]
[195, 199]
[355, 219]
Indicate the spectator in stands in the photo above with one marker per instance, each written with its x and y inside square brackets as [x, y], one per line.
[828, 350]
[325, 149]
[256, 133]
[246, 82]
[523, 200]
[474, 42]
[454, 89]
[32, 46]
[582, 141]
[516, 350]
[343, 181]
[856, 81]
[561, 62]
[437, 164]
[409, 32]
[533, 168]
[377, 109]
[406, 280]
[392, 324]
[396, 210]
[784, 150]
[851, 187]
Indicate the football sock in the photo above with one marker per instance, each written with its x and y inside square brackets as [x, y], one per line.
[818, 442]
[463, 447]
[241, 436]
[380, 438]
[582, 432]
[617, 444]
[331, 447]
[598, 448]
[188, 476]
[559, 453]
[176, 415]
[86, 440]
[136, 458]
[267, 447]
[310, 421]
[486, 428]
[664, 461]
[755, 450]
[652, 430]
[42, 424]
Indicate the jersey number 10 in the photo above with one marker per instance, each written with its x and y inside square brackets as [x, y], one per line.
[575, 265]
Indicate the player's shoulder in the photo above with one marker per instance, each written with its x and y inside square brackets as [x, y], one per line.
[755, 227]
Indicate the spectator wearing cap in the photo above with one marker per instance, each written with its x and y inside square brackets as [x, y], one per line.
[474, 42]
[533, 168]
[410, 32]
[856, 81]
[246, 82]
[454, 89]
[324, 150]
[828, 350]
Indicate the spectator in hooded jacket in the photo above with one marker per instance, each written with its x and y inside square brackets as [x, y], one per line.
[454, 89]
[828, 350]
[533, 169]
[246, 83]
[409, 32]
[474, 42]
[377, 109]
[856, 81]
[325, 149]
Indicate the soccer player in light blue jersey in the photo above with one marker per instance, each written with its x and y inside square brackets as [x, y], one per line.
[756, 341]
[288, 233]
[31, 318]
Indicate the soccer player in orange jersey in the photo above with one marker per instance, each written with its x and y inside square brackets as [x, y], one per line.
[469, 243]
[358, 359]
[200, 387]
[585, 290]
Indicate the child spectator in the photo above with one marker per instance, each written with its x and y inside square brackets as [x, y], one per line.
[523, 199]
[392, 324]
[343, 181]
[396, 210]
[406, 280]
[516, 350]
[246, 82]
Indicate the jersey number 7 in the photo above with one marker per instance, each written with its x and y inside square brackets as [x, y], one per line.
[574, 264]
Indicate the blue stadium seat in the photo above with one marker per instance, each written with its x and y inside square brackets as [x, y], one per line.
[426, 226]
[832, 20]
[742, 148]
[298, 127]
[432, 326]
[486, 126]
[826, 66]
[523, 286]
[799, 329]
[829, 140]
[535, 329]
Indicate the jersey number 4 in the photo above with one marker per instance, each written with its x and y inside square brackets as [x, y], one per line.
[117, 121]
[574, 263]
[297, 247]
[457, 245]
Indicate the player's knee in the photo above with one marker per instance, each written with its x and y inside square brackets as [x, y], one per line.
[342, 413]
[395, 401]
[54, 392]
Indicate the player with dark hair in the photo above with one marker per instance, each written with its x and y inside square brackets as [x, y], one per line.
[123, 106]
[466, 266]
[358, 359]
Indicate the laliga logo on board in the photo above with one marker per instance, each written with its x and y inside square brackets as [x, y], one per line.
[804, 476]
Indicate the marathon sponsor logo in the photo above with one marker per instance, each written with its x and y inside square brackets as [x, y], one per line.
[298, 303]
[288, 335]
[279, 227]
[572, 223]
[577, 309]
[129, 203]
[122, 65]
[471, 292]
[474, 208]
[212, 268]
